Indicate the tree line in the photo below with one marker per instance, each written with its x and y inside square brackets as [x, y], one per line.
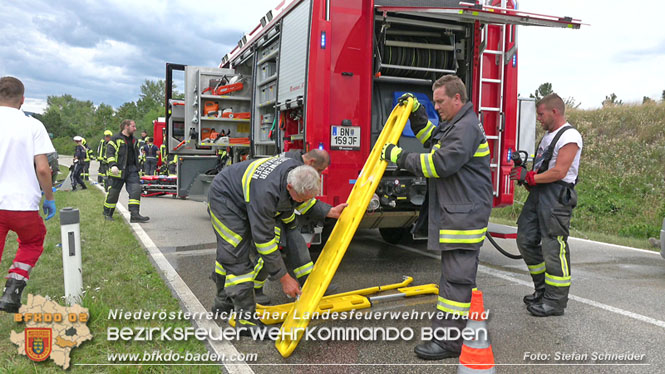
[610, 100]
[66, 116]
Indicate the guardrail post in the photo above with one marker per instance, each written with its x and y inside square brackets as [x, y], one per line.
[70, 233]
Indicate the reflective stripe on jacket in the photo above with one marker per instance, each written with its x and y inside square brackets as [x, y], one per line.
[256, 191]
[457, 169]
[116, 153]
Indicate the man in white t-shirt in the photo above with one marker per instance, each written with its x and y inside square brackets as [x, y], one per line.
[543, 225]
[24, 168]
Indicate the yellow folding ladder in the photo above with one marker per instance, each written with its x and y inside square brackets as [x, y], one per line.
[298, 318]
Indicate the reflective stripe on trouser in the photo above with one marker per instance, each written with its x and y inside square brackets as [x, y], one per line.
[221, 301]
[239, 280]
[233, 256]
[258, 283]
[132, 184]
[458, 278]
[547, 256]
[30, 229]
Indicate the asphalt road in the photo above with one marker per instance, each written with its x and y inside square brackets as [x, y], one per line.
[616, 306]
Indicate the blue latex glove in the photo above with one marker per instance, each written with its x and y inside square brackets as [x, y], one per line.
[49, 208]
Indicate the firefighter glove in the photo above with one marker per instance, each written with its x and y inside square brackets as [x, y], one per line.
[115, 170]
[402, 101]
[522, 176]
[49, 208]
[391, 152]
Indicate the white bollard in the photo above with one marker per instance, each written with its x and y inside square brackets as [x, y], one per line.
[70, 234]
[662, 240]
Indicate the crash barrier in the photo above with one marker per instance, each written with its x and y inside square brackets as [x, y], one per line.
[298, 319]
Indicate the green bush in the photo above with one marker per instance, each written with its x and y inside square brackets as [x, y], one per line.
[64, 145]
[621, 186]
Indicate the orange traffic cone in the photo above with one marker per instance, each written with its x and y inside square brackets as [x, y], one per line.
[476, 356]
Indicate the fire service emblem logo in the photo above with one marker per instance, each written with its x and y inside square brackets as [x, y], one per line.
[38, 343]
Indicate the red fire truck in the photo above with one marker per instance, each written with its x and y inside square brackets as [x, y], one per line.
[326, 74]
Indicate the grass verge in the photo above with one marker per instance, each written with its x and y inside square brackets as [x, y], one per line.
[117, 274]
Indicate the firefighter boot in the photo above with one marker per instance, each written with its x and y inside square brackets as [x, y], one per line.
[247, 323]
[108, 213]
[553, 303]
[11, 297]
[260, 297]
[135, 217]
[543, 309]
[222, 304]
[535, 297]
[431, 350]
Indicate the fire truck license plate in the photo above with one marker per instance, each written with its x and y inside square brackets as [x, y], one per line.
[345, 137]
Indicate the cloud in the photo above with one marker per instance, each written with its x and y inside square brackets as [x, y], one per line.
[104, 50]
[638, 54]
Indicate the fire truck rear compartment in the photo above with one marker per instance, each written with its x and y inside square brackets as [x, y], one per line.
[411, 51]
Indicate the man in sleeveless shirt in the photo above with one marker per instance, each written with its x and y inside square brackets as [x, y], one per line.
[543, 225]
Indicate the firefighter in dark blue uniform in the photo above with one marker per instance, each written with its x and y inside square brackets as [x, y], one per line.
[254, 194]
[150, 152]
[289, 237]
[79, 161]
[459, 182]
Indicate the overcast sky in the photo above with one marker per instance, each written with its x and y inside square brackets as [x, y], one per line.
[103, 50]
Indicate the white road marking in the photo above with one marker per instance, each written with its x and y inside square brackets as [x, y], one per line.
[509, 277]
[596, 242]
[187, 298]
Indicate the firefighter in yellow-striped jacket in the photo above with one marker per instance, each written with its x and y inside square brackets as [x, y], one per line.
[122, 155]
[246, 202]
[459, 202]
[101, 157]
[313, 211]
[89, 155]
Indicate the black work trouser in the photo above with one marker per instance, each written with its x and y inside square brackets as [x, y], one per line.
[542, 239]
[86, 170]
[130, 179]
[150, 165]
[76, 175]
[234, 269]
[458, 279]
[101, 172]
